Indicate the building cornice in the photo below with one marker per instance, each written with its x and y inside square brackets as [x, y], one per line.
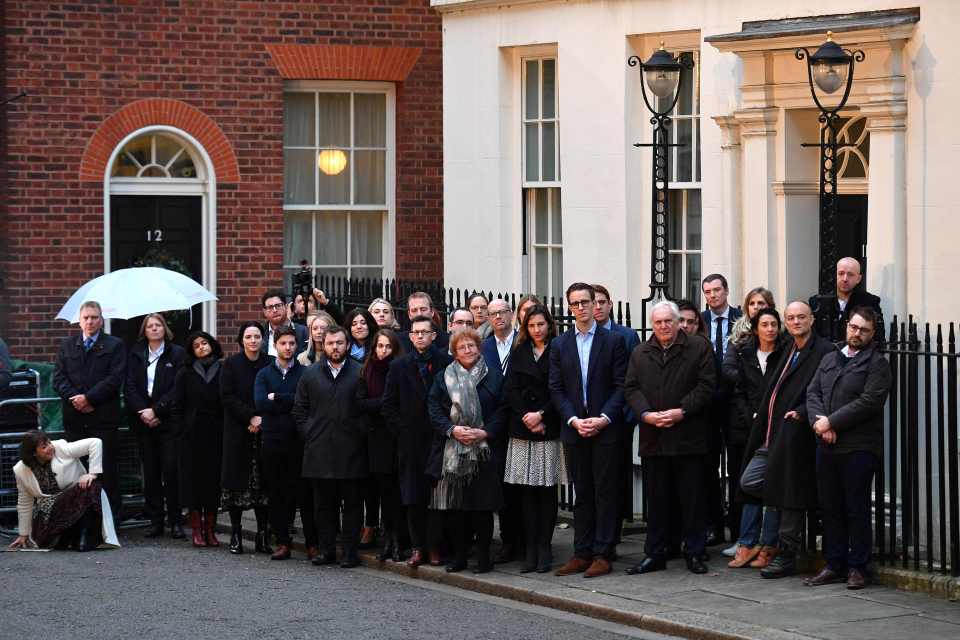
[449, 6]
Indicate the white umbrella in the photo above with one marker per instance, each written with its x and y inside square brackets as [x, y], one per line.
[129, 293]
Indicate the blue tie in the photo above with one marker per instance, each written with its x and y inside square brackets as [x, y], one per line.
[88, 344]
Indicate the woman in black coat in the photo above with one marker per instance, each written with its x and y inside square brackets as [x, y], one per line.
[463, 405]
[535, 459]
[152, 366]
[242, 477]
[198, 411]
[381, 443]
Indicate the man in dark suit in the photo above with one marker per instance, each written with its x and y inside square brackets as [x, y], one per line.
[90, 371]
[587, 366]
[404, 410]
[334, 436]
[419, 303]
[719, 319]
[275, 313]
[832, 311]
[602, 313]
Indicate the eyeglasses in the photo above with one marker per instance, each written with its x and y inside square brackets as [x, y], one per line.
[858, 330]
[421, 334]
[577, 304]
[274, 307]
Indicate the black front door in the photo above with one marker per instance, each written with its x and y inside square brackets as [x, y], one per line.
[852, 230]
[157, 231]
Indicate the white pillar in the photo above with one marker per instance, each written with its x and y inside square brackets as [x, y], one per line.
[887, 206]
[731, 224]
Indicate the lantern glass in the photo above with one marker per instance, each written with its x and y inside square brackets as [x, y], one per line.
[830, 76]
[332, 161]
[662, 82]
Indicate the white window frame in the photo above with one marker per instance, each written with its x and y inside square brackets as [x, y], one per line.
[539, 121]
[697, 120]
[530, 195]
[684, 250]
[388, 240]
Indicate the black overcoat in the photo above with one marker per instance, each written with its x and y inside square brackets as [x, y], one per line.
[791, 480]
[236, 391]
[682, 377]
[404, 410]
[484, 493]
[526, 388]
[381, 441]
[99, 374]
[330, 422]
[199, 413]
[164, 391]
[742, 369]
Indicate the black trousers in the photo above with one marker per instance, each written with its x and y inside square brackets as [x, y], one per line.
[287, 491]
[511, 517]
[426, 527]
[734, 508]
[387, 488]
[674, 480]
[111, 458]
[160, 459]
[843, 488]
[595, 469]
[465, 526]
[328, 494]
[539, 515]
[712, 494]
[371, 502]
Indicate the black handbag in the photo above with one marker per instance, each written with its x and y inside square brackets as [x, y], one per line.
[751, 480]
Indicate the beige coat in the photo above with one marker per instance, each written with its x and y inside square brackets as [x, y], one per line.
[66, 467]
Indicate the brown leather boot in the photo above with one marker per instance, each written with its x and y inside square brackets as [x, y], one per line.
[210, 531]
[765, 557]
[196, 522]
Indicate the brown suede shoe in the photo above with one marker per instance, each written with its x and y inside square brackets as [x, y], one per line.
[856, 579]
[282, 553]
[766, 555]
[573, 565]
[826, 576]
[744, 556]
[600, 567]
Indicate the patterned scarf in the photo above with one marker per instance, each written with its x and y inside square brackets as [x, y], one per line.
[461, 462]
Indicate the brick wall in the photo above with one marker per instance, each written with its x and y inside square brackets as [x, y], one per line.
[83, 62]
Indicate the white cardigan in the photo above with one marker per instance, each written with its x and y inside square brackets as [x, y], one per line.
[66, 467]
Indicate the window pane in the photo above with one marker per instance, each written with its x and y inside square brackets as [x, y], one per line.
[557, 256]
[683, 171]
[693, 278]
[556, 218]
[297, 238]
[332, 272]
[532, 151]
[299, 121]
[370, 120]
[549, 152]
[331, 239]
[675, 226]
[543, 274]
[549, 88]
[165, 150]
[366, 238]
[540, 217]
[370, 180]
[674, 267]
[299, 175]
[334, 119]
[367, 272]
[532, 90]
[335, 188]
[688, 88]
[139, 148]
[694, 219]
[183, 167]
[124, 167]
[696, 147]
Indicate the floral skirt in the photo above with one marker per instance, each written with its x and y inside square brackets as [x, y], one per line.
[254, 494]
[52, 515]
[535, 463]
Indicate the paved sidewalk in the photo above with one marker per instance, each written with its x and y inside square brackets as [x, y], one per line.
[722, 604]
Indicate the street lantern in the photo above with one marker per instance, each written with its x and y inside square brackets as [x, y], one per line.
[829, 69]
[662, 75]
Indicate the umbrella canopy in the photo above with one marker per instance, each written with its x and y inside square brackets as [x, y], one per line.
[129, 293]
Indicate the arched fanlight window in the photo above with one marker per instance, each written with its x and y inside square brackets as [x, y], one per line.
[154, 156]
[854, 152]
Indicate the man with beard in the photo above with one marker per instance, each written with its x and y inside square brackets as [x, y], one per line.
[845, 408]
[334, 437]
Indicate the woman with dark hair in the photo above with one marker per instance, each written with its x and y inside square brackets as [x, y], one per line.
[690, 319]
[535, 460]
[152, 366]
[757, 544]
[463, 410]
[242, 476]
[381, 443]
[58, 502]
[477, 303]
[316, 327]
[361, 326]
[198, 412]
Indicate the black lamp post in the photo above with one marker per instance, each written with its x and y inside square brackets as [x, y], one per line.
[663, 78]
[830, 68]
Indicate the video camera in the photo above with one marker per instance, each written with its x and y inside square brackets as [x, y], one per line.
[302, 281]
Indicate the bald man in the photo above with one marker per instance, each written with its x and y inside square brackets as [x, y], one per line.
[832, 311]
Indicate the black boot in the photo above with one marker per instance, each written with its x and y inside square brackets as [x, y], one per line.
[389, 546]
[91, 533]
[236, 531]
[544, 558]
[155, 530]
[782, 566]
[530, 559]
[262, 541]
[176, 530]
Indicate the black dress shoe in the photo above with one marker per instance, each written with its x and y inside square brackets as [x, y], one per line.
[262, 543]
[456, 566]
[695, 565]
[714, 537]
[483, 566]
[648, 565]
[176, 532]
[389, 547]
[350, 561]
[780, 567]
[530, 560]
[544, 559]
[236, 543]
[155, 531]
[325, 559]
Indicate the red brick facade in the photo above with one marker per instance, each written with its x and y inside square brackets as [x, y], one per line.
[97, 71]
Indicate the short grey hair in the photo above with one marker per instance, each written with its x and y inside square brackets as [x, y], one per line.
[92, 304]
[666, 304]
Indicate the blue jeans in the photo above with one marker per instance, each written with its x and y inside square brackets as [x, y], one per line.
[751, 533]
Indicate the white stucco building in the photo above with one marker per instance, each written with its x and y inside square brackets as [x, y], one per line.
[543, 186]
